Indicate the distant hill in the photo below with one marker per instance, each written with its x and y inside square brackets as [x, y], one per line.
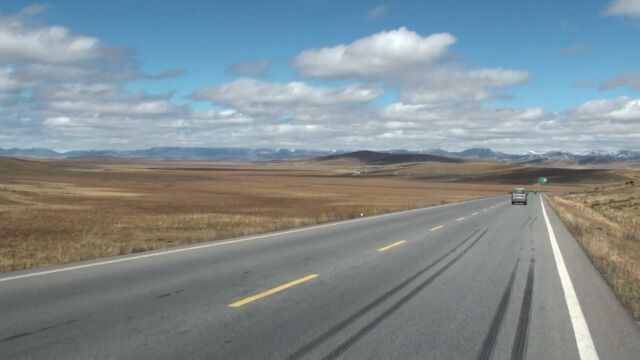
[172, 153]
[13, 165]
[381, 158]
[551, 158]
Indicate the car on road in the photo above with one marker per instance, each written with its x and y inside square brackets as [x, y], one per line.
[519, 196]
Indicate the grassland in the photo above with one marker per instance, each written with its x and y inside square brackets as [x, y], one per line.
[606, 222]
[63, 211]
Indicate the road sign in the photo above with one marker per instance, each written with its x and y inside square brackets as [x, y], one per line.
[542, 180]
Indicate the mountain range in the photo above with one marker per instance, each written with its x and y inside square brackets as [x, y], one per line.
[265, 154]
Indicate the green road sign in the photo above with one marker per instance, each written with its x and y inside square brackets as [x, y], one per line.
[542, 180]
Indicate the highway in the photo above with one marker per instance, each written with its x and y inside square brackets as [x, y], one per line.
[474, 280]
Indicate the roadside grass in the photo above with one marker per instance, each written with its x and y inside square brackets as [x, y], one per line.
[56, 212]
[606, 223]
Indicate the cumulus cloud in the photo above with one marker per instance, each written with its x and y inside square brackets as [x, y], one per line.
[376, 55]
[630, 80]
[622, 108]
[416, 66]
[80, 99]
[377, 11]
[257, 68]
[47, 44]
[458, 85]
[623, 8]
[259, 97]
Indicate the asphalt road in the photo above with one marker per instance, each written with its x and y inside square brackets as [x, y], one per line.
[474, 280]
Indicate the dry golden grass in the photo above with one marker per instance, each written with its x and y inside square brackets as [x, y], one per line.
[63, 211]
[607, 225]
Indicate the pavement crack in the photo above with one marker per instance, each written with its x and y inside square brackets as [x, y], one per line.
[519, 349]
[498, 317]
[301, 352]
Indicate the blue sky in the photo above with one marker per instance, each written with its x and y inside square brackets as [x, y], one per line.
[572, 64]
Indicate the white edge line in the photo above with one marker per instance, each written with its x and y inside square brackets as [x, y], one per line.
[586, 349]
[226, 242]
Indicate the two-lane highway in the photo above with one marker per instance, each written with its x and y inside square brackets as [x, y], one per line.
[474, 280]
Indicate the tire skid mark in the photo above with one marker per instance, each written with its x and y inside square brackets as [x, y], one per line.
[301, 352]
[496, 323]
[352, 340]
[519, 349]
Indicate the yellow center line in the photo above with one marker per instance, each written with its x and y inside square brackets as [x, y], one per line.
[272, 291]
[384, 248]
[437, 227]
[460, 219]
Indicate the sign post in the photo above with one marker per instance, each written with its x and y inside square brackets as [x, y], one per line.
[541, 181]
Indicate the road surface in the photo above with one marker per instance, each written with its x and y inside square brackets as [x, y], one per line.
[476, 280]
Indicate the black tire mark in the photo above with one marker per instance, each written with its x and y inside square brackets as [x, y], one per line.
[29, 333]
[405, 299]
[526, 222]
[348, 321]
[519, 349]
[496, 323]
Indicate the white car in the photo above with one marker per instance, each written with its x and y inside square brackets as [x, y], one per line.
[519, 196]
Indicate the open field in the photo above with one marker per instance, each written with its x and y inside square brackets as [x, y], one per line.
[63, 211]
[606, 222]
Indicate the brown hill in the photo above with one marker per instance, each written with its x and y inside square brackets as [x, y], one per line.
[380, 158]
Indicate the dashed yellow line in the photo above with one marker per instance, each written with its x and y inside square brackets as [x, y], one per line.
[272, 291]
[460, 219]
[397, 243]
[437, 227]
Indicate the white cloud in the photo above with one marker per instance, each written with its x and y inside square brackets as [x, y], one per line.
[54, 44]
[622, 108]
[457, 85]
[383, 53]
[259, 97]
[7, 81]
[623, 8]
[416, 66]
[377, 11]
[57, 121]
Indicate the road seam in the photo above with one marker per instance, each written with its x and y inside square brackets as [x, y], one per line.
[586, 349]
[272, 291]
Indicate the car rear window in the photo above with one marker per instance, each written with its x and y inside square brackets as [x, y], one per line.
[518, 191]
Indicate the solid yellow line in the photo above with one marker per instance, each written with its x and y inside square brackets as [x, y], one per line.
[437, 227]
[384, 248]
[460, 219]
[272, 291]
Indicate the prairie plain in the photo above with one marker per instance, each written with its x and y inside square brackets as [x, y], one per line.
[60, 211]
